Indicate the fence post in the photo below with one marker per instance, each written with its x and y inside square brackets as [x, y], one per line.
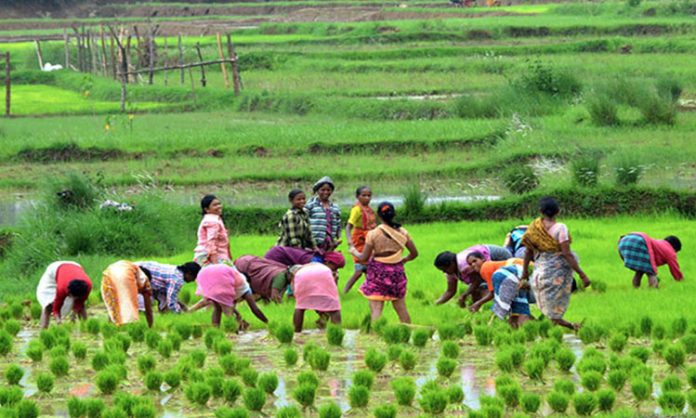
[66, 39]
[200, 58]
[235, 68]
[222, 65]
[38, 53]
[8, 83]
[151, 50]
[181, 61]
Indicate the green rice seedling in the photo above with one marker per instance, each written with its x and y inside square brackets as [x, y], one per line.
[691, 398]
[5, 343]
[319, 360]
[448, 331]
[672, 403]
[518, 355]
[27, 408]
[589, 334]
[195, 375]
[197, 331]
[108, 329]
[407, 360]
[12, 326]
[14, 374]
[172, 378]
[530, 330]
[215, 382]
[198, 393]
[385, 411]
[93, 326]
[211, 335]
[229, 325]
[289, 411]
[45, 382]
[268, 382]
[605, 400]
[305, 394]
[165, 348]
[35, 311]
[530, 402]
[445, 366]
[420, 337]
[511, 394]
[591, 380]
[184, 330]
[450, 349]
[198, 357]
[58, 351]
[35, 351]
[555, 334]
[595, 364]
[145, 362]
[455, 394]
[658, 346]
[640, 388]
[144, 410]
[79, 350]
[10, 396]
[534, 368]
[358, 396]
[679, 327]
[396, 334]
[641, 353]
[334, 335]
[543, 351]
[565, 359]
[223, 346]
[674, 355]
[76, 407]
[691, 376]
[659, 332]
[404, 390]
[231, 390]
[59, 366]
[564, 386]
[117, 357]
[228, 363]
[152, 339]
[284, 333]
[136, 331]
[394, 351]
[364, 378]
[671, 383]
[107, 381]
[176, 340]
[584, 403]
[291, 357]
[249, 377]
[307, 350]
[646, 325]
[617, 342]
[433, 401]
[153, 380]
[330, 410]
[504, 361]
[689, 343]
[114, 412]
[617, 379]
[375, 360]
[643, 372]
[558, 402]
[46, 336]
[502, 339]
[308, 377]
[483, 335]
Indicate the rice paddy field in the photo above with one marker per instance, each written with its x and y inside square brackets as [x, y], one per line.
[419, 99]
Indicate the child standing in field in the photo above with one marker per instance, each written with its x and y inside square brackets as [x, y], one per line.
[324, 215]
[295, 226]
[361, 221]
[213, 243]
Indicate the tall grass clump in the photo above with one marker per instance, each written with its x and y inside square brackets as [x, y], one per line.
[603, 110]
[414, 201]
[586, 170]
[541, 77]
[520, 179]
[628, 171]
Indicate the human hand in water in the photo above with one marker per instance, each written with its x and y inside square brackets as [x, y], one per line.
[585, 281]
[462, 301]
[276, 296]
[474, 308]
[523, 284]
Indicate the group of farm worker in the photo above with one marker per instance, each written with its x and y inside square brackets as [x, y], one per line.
[304, 263]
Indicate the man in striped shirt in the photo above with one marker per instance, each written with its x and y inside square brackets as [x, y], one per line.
[167, 280]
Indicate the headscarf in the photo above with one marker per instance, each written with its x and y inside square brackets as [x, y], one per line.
[335, 258]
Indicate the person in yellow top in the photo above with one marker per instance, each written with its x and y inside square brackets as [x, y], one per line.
[361, 221]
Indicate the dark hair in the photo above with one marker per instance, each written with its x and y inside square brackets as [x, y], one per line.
[549, 206]
[476, 254]
[78, 288]
[445, 259]
[147, 272]
[674, 242]
[293, 193]
[206, 202]
[387, 213]
[191, 267]
[319, 185]
[360, 190]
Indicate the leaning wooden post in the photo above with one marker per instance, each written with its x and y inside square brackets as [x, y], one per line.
[38, 53]
[8, 83]
[223, 67]
[151, 53]
[113, 58]
[164, 54]
[123, 67]
[235, 67]
[66, 39]
[128, 59]
[181, 61]
[200, 58]
[105, 72]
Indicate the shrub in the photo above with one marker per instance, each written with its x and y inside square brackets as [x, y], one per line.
[483, 335]
[535, 368]
[26, 408]
[231, 390]
[617, 379]
[76, 407]
[330, 410]
[603, 112]
[107, 381]
[591, 380]
[335, 334]
[404, 390]
[268, 382]
[45, 382]
[414, 204]
[289, 411]
[565, 359]
[671, 384]
[364, 378]
[540, 77]
[586, 170]
[455, 394]
[172, 378]
[584, 403]
[59, 366]
[511, 395]
[284, 333]
[433, 401]
[358, 396]
[640, 388]
[420, 337]
[291, 357]
[249, 377]
[530, 402]
[305, 394]
[519, 180]
[674, 355]
[628, 171]
[198, 393]
[557, 401]
[319, 359]
[657, 109]
[450, 349]
[375, 360]
[153, 380]
[672, 402]
[14, 374]
[445, 366]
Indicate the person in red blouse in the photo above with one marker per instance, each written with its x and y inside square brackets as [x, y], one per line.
[644, 255]
[63, 287]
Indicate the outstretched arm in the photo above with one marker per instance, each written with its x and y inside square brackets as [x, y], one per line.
[450, 292]
[249, 298]
[565, 250]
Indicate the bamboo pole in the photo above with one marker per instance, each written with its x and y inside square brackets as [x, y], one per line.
[78, 41]
[164, 54]
[66, 39]
[38, 53]
[181, 67]
[113, 57]
[223, 67]
[200, 58]
[8, 84]
[123, 70]
[236, 79]
[127, 56]
[181, 61]
[151, 53]
[105, 71]
[94, 67]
